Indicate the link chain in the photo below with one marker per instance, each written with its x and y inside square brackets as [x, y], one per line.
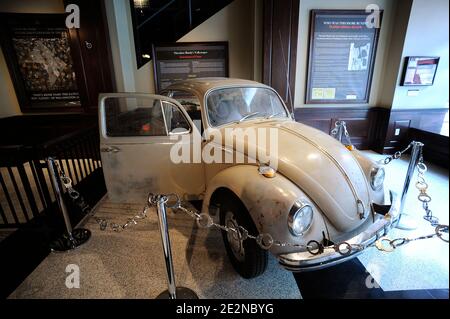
[397, 155]
[85, 208]
[264, 240]
[421, 184]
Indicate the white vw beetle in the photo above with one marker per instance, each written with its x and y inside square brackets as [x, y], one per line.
[322, 204]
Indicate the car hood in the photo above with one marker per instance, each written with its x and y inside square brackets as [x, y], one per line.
[317, 163]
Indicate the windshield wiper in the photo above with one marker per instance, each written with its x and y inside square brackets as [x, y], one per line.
[276, 114]
[247, 116]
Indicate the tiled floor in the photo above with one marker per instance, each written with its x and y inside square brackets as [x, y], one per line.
[130, 264]
[418, 265]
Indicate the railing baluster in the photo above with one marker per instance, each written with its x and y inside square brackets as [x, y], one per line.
[19, 196]
[85, 157]
[69, 164]
[8, 198]
[41, 182]
[36, 182]
[80, 158]
[27, 188]
[2, 213]
[76, 164]
[94, 156]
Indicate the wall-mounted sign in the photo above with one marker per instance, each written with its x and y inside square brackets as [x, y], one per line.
[341, 56]
[38, 52]
[181, 61]
[419, 71]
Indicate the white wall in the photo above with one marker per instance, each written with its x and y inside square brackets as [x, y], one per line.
[427, 35]
[9, 106]
[236, 24]
[382, 51]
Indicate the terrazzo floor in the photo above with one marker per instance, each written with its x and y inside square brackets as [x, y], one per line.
[130, 264]
[422, 264]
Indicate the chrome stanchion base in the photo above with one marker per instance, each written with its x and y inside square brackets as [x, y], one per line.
[79, 237]
[181, 293]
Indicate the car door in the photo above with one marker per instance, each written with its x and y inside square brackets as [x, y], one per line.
[137, 135]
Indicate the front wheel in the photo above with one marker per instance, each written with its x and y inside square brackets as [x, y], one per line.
[247, 258]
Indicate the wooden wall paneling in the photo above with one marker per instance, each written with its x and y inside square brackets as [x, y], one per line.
[366, 126]
[436, 148]
[429, 120]
[280, 46]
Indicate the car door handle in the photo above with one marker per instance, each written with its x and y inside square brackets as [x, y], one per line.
[110, 149]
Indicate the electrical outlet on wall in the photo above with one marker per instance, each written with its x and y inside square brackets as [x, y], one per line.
[413, 92]
[397, 132]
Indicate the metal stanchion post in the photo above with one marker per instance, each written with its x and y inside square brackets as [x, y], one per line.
[173, 292]
[340, 131]
[406, 221]
[73, 237]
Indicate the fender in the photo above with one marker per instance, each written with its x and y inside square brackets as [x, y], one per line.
[268, 200]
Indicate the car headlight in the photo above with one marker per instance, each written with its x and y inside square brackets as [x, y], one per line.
[300, 218]
[377, 178]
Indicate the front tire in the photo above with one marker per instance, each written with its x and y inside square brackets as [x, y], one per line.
[248, 259]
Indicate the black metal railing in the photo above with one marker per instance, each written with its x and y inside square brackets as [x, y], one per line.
[25, 186]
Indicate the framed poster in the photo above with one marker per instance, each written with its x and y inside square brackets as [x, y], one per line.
[38, 51]
[342, 52]
[180, 61]
[419, 71]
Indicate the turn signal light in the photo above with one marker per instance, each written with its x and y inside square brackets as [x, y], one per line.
[350, 147]
[267, 171]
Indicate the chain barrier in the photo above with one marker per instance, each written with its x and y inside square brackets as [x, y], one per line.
[421, 184]
[314, 247]
[264, 240]
[86, 209]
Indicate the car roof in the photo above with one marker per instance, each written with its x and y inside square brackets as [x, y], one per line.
[202, 85]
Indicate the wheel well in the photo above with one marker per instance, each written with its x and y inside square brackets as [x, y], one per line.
[221, 194]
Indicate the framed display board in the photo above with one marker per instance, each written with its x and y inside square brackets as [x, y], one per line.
[342, 50]
[419, 71]
[180, 61]
[38, 50]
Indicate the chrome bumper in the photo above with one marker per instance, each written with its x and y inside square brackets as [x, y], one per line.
[305, 261]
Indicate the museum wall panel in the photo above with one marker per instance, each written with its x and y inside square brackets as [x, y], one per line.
[9, 105]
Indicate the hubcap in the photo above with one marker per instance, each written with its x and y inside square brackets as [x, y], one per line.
[234, 238]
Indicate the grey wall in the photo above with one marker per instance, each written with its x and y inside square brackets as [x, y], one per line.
[428, 35]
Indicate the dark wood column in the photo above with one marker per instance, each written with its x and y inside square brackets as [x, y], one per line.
[280, 46]
[93, 59]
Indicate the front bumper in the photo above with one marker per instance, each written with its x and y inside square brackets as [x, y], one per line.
[386, 219]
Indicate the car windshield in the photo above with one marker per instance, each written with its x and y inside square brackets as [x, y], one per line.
[241, 103]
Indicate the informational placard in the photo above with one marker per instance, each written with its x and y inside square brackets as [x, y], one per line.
[180, 61]
[420, 71]
[341, 56]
